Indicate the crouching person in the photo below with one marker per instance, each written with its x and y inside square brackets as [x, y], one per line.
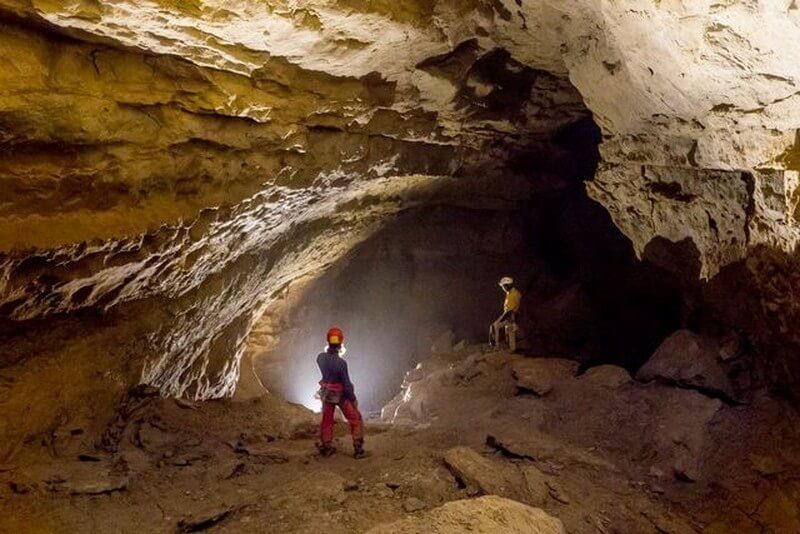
[336, 389]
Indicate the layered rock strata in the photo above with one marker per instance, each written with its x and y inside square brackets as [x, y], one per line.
[170, 166]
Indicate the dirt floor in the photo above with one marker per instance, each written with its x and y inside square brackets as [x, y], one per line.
[599, 451]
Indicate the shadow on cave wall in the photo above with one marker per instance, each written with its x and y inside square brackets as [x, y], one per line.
[436, 267]
[594, 300]
[753, 306]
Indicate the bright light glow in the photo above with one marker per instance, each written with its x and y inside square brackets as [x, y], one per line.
[313, 404]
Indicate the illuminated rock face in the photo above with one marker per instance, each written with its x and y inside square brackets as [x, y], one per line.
[168, 167]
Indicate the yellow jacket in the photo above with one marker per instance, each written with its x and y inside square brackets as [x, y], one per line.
[512, 301]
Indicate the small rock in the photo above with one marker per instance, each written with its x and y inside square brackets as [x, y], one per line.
[97, 486]
[655, 472]
[204, 522]
[541, 375]
[664, 521]
[412, 504]
[238, 470]
[557, 493]
[444, 343]
[730, 349]
[136, 460]
[192, 442]
[414, 374]
[153, 439]
[185, 404]
[536, 482]
[468, 371]
[550, 467]
[607, 376]
[264, 453]
[350, 485]
[765, 465]
[382, 490]
[22, 487]
[684, 472]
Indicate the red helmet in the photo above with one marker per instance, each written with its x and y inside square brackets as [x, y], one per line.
[335, 336]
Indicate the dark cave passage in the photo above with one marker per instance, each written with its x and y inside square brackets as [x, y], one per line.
[434, 269]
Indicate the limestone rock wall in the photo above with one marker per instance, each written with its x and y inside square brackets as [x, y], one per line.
[171, 165]
[673, 84]
[161, 185]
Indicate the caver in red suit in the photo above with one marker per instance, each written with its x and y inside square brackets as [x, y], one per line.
[336, 389]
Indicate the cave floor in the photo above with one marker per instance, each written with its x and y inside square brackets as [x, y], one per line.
[600, 455]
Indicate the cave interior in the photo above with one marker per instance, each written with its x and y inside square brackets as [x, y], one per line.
[193, 193]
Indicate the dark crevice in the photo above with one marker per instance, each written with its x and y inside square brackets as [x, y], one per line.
[671, 190]
[750, 209]
[204, 524]
[494, 443]
[708, 392]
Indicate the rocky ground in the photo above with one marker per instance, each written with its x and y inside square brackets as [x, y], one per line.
[592, 449]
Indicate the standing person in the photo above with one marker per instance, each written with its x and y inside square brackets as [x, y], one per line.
[508, 320]
[336, 389]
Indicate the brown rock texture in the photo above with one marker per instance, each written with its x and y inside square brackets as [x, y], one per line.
[690, 361]
[169, 168]
[484, 514]
[541, 375]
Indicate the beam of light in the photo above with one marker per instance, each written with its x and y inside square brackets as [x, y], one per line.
[311, 400]
[313, 404]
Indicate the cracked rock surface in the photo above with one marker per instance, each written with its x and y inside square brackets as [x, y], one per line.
[170, 167]
[639, 458]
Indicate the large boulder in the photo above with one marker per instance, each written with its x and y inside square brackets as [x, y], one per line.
[482, 475]
[681, 433]
[541, 375]
[689, 361]
[489, 514]
[519, 442]
[410, 405]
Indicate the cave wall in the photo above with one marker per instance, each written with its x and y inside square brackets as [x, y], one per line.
[171, 197]
[169, 167]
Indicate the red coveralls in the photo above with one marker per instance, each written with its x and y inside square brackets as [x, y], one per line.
[349, 409]
[336, 378]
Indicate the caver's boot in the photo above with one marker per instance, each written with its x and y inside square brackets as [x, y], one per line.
[326, 449]
[358, 449]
